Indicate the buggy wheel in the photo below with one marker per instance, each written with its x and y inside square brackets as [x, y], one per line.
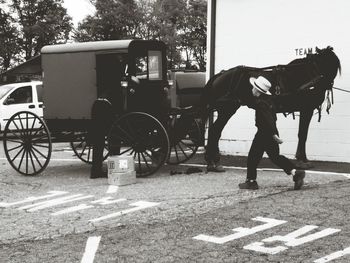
[142, 136]
[185, 137]
[27, 143]
[82, 147]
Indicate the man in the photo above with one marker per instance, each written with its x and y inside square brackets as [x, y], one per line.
[267, 138]
[102, 116]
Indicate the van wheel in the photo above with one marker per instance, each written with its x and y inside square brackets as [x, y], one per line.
[27, 143]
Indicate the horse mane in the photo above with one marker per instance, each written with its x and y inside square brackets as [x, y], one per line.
[329, 53]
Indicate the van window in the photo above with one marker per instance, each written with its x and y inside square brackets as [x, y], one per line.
[20, 95]
[39, 91]
[4, 90]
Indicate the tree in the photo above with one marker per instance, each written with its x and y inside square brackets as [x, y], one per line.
[41, 22]
[114, 19]
[181, 24]
[8, 40]
[193, 33]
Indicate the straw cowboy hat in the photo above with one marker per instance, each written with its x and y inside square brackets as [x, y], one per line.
[261, 84]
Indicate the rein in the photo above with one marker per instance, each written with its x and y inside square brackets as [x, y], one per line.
[347, 91]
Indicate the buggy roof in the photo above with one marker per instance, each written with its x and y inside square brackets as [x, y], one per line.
[87, 46]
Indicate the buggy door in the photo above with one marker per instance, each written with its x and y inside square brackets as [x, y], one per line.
[147, 63]
[110, 67]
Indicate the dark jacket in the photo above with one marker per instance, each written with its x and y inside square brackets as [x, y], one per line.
[265, 115]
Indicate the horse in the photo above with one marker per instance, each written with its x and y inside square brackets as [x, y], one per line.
[299, 86]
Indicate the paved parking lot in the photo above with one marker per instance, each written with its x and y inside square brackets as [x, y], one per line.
[63, 216]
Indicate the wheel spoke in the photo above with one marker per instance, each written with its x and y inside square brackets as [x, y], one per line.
[144, 158]
[126, 151]
[128, 139]
[38, 152]
[18, 153]
[182, 150]
[176, 153]
[20, 120]
[150, 156]
[79, 145]
[9, 140]
[89, 151]
[12, 132]
[187, 145]
[20, 163]
[18, 129]
[31, 159]
[26, 162]
[139, 161]
[32, 128]
[36, 158]
[40, 145]
[14, 148]
[39, 129]
[37, 139]
[82, 152]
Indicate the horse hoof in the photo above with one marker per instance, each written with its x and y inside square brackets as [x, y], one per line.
[304, 165]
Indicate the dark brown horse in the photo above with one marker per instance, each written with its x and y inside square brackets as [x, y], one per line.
[299, 86]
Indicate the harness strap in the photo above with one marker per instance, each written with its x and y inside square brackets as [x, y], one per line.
[319, 109]
[311, 83]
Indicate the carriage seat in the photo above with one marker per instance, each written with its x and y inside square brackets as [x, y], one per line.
[189, 87]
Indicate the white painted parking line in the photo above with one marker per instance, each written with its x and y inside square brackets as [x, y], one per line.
[347, 175]
[90, 249]
[333, 256]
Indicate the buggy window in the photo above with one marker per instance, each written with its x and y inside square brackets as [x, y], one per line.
[20, 95]
[149, 66]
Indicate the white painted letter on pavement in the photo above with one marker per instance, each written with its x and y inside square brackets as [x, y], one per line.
[334, 255]
[290, 240]
[139, 206]
[33, 198]
[54, 202]
[242, 232]
[107, 201]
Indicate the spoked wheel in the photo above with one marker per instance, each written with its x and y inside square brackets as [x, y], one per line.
[82, 147]
[185, 135]
[27, 143]
[142, 136]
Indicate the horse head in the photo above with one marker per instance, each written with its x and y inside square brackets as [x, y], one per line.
[327, 63]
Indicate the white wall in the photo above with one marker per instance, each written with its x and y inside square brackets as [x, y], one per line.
[263, 33]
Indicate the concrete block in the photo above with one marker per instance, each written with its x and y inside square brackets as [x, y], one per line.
[122, 178]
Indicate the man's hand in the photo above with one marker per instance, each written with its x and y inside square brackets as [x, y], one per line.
[277, 139]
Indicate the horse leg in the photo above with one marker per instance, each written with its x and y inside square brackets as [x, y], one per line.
[304, 123]
[212, 153]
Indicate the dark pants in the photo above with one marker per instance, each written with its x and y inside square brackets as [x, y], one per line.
[102, 116]
[224, 112]
[265, 143]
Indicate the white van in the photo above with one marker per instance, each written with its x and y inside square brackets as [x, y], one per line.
[15, 97]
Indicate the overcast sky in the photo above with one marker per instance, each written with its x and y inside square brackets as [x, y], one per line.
[78, 9]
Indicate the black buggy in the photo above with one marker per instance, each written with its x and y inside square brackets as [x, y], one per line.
[74, 76]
